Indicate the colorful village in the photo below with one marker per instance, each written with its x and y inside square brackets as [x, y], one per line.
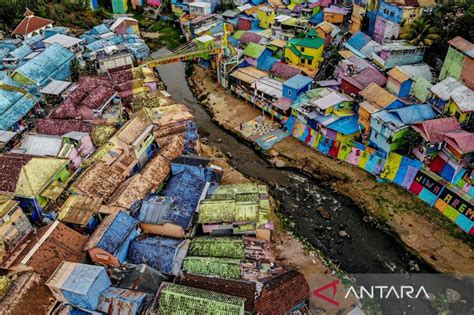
[116, 197]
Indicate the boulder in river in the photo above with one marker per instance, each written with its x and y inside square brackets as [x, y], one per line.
[452, 296]
[229, 155]
[323, 212]
[343, 233]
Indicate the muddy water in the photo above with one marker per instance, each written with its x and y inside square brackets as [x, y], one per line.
[365, 249]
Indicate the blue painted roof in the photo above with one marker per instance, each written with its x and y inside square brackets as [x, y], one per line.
[359, 40]
[99, 29]
[157, 252]
[113, 234]
[40, 68]
[298, 81]
[317, 18]
[21, 52]
[33, 39]
[400, 117]
[82, 277]
[183, 191]
[19, 105]
[267, 63]
[233, 41]
[345, 125]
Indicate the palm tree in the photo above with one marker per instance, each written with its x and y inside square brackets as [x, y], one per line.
[420, 33]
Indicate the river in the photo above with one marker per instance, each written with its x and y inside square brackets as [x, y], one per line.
[368, 249]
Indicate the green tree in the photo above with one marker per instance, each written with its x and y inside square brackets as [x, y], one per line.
[420, 33]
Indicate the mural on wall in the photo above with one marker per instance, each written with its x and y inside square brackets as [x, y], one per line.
[454, 199]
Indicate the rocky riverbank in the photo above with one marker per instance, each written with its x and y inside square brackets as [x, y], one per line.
[423, 231]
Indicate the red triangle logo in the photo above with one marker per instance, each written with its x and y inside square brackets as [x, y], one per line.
[318, 292]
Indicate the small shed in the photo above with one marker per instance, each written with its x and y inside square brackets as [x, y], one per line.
[117, 301]
[399, 83]
[296, 85]
[109, 243]
[79, 284]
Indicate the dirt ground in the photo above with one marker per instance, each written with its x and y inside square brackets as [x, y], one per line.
[423, 230]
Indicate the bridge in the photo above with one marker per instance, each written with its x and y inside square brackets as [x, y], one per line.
[183, 54]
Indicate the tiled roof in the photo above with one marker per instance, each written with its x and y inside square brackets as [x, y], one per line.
[10, 168]
[30, 24]
[112, 232]
[89, 93]
[280, 294]
[433, 130]
[239, 288]
[60, 127]
[58, 243]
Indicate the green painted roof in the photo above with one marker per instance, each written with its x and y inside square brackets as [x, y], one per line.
[238, 34]
[295, 50]
[227, 268]
[307, 57]
[254, 50]
[180, 299]
[309, 42]
[230, 247]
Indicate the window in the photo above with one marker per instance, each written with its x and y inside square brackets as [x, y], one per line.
[289, 93]
[302, 49]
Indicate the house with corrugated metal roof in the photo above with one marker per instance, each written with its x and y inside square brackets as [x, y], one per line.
[388, 127]
[34, 181]
[459, 61]
[399, 83]
[14, 225]
[297, 85]
[54, 63]
[240, 209]
[172, 213]
[78, 284]
[80, 212]
[255, 54]
[453, 98]
[163, 254]
[306, 51]
[15, 104]
[183, 299]
[111, 240]
[376, 99]
[431, 132]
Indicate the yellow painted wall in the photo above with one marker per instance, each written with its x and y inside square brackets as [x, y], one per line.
[452, 109]
[266, 19]
[317, 55]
